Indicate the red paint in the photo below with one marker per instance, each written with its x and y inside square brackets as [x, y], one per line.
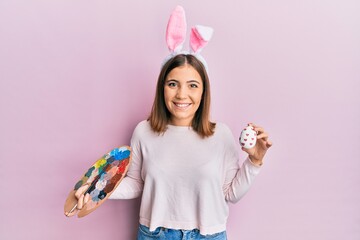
[122, 166]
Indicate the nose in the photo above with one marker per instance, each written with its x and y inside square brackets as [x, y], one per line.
[181, 92]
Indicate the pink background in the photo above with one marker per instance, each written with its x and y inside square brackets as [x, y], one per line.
[77, 76]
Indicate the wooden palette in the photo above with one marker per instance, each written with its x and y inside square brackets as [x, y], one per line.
[102, 177]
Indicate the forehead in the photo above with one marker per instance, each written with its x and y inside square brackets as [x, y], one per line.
[185, 72]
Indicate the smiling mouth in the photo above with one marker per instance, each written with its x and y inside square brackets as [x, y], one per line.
[182, 105]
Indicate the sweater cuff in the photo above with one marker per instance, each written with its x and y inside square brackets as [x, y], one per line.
[255, 169]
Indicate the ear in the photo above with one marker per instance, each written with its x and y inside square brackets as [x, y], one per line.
[199, 37]
[176, 30]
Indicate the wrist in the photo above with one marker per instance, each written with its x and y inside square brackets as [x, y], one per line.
[257, 162]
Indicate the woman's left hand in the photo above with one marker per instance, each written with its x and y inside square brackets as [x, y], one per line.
[257, 153]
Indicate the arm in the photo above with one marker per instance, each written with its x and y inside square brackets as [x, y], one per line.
[132, 185]
[239, 179]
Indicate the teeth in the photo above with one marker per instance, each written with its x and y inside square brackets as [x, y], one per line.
[182, 105]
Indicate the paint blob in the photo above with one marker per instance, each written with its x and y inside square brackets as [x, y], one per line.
[78, 185]
[88, 173]
[104, 175]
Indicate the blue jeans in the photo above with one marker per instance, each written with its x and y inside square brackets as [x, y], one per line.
[161, 233]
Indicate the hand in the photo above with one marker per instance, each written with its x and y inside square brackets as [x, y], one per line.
[82, 199]
[257, 153]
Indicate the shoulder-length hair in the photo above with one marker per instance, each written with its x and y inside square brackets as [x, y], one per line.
[160, 115]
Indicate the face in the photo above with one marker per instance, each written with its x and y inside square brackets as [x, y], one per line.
[183, 91]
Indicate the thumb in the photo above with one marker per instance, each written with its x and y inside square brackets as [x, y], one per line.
[245, 150]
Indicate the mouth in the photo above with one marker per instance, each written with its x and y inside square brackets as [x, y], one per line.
[182, 105]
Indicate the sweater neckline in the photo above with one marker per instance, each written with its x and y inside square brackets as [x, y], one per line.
[179, 128]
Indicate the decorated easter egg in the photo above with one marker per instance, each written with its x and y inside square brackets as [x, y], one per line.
[248, 137]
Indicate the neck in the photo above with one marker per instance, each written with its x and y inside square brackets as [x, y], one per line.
[181, 123]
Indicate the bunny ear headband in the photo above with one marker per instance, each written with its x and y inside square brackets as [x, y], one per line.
[176, 33]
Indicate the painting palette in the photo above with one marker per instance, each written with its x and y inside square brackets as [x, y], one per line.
[102, 177]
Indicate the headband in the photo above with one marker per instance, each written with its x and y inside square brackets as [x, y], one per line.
[176, 33]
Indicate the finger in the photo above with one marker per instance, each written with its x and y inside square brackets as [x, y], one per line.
[81, 191]
[256, 128]
[263, 135]
[252, 124]
[266, 144]
[80, 202]
[259, 130]
[86, 198]
[269, 144]
[70, 214]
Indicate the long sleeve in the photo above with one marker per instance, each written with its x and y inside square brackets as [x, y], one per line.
[132, 184]
[237, 179]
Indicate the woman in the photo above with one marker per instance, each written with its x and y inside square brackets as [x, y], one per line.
[184, 166]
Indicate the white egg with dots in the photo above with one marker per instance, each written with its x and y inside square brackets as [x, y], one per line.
[248, 137]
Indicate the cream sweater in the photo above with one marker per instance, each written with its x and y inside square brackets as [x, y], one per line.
[186, 182]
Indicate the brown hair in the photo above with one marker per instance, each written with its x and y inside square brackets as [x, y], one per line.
[160, 115]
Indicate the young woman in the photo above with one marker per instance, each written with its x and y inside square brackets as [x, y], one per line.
[185, 167]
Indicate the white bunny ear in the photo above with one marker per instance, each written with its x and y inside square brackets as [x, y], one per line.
[176, 30]
[199, 37]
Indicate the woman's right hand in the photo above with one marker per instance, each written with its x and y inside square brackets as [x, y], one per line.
[82, 199]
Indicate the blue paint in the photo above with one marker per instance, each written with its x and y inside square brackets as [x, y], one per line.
[102, 195]
[119, 154]
[110, 160]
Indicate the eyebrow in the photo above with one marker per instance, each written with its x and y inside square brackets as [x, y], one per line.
[190, 81]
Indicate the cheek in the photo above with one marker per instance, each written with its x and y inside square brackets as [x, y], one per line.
[166, 94]
[199, 96]
[167, 98]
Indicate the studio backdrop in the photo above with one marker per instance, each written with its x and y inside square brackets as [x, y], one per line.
[77, 76]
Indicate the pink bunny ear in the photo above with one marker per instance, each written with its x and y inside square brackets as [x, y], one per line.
[199, 37]
[176, 30]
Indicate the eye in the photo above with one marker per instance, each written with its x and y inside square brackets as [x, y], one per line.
[171, 84]
[193, 85]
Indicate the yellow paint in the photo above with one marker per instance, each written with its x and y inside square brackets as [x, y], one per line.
[100, 163]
